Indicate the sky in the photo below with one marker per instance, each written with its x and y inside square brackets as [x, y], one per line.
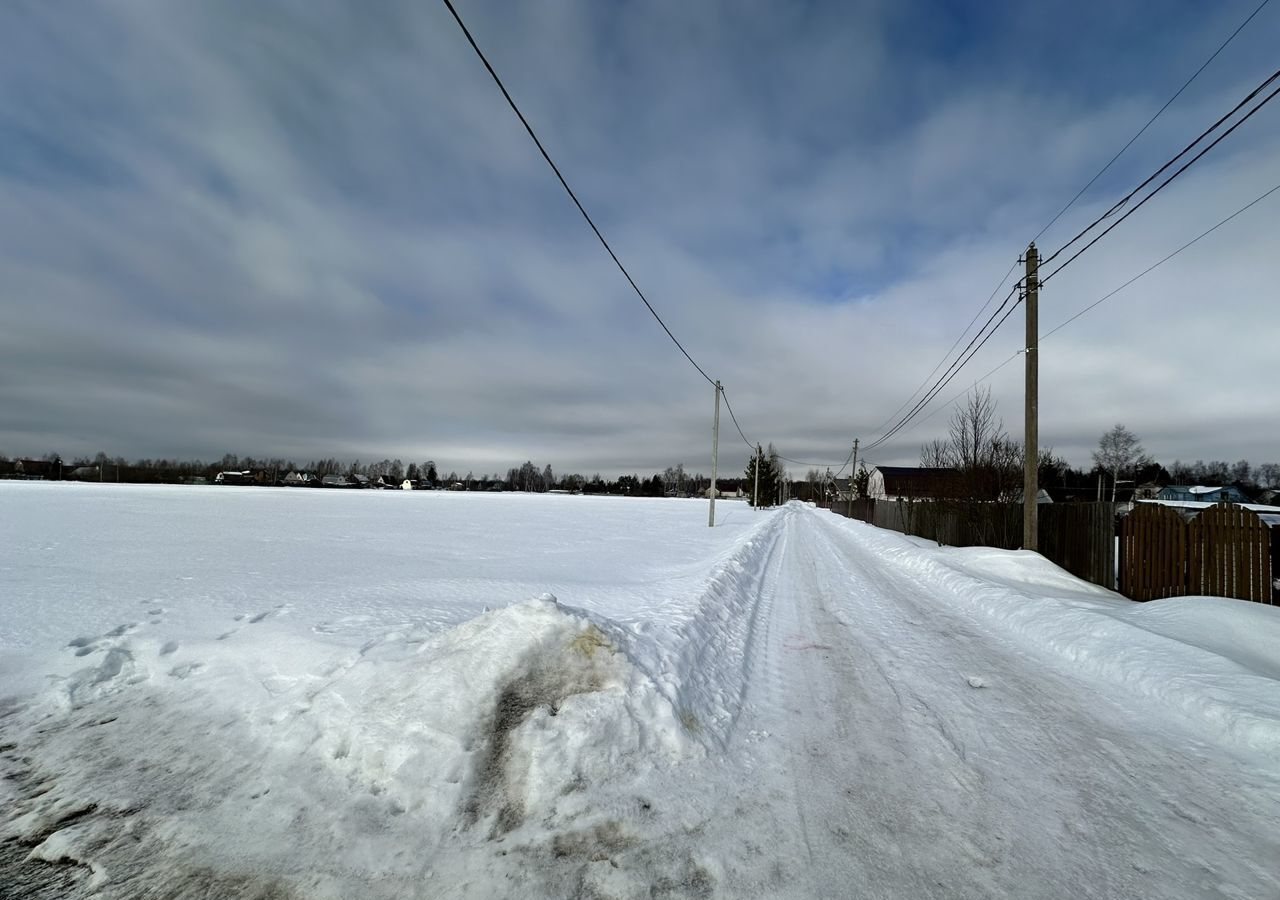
[315, 229]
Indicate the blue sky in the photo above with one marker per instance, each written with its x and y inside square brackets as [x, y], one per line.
[315, 229]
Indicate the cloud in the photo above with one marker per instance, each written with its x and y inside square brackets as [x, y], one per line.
[314, 229]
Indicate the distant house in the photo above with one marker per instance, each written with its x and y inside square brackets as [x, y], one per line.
[1147, 491]
[300, 479]
[911, 483]
[408, 485]
[245, 477]
[1225, 494]
[85, 473]
[726, 493]
[337, 481]
[36, 469]
[841, 487]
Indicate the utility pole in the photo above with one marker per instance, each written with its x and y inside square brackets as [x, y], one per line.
[755, 493]
[715, 454]
[853, 475]
[1031, 440]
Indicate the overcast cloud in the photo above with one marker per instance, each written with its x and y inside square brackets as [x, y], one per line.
[315, 229]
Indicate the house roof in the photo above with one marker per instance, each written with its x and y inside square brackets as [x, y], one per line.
[1268, 514]
[1199, 488]
[906, 471]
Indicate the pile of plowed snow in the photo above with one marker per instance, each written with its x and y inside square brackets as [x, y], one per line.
[503, 727]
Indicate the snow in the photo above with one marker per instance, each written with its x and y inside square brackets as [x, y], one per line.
[1202, 504]
[255, 692]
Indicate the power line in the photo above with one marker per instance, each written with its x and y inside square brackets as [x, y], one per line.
[1150, 121]
[1108, 296]
[1114, 208]
[946, 355]
[954, 369]
[1181, 153]
[1163, 184]
[976, 382]
[724, 394]
[1157, 265]
[816, 465]
[938, 389]
[569, 190]
[752, 446]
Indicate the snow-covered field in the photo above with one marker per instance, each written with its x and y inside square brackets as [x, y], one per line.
[273, 693]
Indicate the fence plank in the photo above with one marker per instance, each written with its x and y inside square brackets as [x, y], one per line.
[1154, 547]
[1231, 554]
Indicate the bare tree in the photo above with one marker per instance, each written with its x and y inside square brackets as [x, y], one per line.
[1119, 450]
[936, 455]
[988, 461]
[1242, 473]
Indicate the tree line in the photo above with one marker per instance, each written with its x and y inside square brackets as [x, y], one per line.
[989, 463]
[672, 481]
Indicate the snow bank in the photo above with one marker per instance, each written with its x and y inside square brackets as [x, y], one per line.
[1214, 660]
[133, 765]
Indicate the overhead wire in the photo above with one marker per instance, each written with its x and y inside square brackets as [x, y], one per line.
[817, 465]
[585, 215]
[1119, 204]
[954, 369]
[1152, 120]
[1163, 184]
[942, 383]
[1107, 296]
[725, 396]
[572, 196]
[947, 355]
[962, 360]
[1157, 265]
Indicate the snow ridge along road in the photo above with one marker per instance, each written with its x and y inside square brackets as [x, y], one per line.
[791, 705]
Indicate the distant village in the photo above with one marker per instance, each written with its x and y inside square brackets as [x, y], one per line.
[1201, 482]
[391, 474]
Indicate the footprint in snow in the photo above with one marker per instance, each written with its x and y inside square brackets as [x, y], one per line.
[169, 647]
[122, 630]
[84, 645]
[976, 682]
[278, 608]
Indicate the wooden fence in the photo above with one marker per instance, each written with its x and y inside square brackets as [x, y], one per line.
[1080, 537]
[1225, 551]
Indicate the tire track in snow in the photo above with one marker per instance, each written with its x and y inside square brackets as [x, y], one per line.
[1078, 792]
[716, 651]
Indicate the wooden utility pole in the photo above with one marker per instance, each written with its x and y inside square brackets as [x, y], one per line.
[1031, 439]
[755, 493]
[853, 476]
[715, 454]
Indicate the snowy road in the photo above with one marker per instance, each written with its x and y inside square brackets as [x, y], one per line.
[926, 757]
[791, 705]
